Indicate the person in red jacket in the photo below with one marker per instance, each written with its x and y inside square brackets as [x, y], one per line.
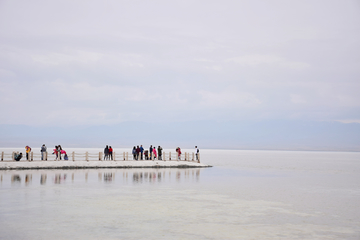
[178, 150]
[110, 153]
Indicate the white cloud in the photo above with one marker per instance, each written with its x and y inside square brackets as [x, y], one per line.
[228, 99]
[56, 58]
[273, 60]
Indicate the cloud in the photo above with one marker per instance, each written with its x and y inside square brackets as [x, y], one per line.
[272, 60]
[228, 99]
[177, 61]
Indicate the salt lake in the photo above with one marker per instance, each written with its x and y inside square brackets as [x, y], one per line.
[245, 195]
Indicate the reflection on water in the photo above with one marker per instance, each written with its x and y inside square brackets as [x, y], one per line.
[43, 179]
[15, 178]
[128, 176]
[59, 178]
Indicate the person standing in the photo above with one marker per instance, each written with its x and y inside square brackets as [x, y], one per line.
[150, 152]
[43, 152]
[137, 152]
[197, 153]
[56, 152]
[160, 152]
[28, 150]
[59, 151]
[110, 153]
[154, 152]
[134, 152]
[106, 152]
[141, 152]
[178, 150]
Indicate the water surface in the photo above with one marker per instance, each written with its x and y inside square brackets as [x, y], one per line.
[246, 195]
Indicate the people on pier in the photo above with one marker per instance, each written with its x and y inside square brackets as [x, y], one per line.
[28, 150]
[106, 152]
[17, 156]
[141, 152]
[134, 152]
[146, 155]
[155, 153]
[138, 152]
[55, 152]
[150, 151]
[43, 152]
[178, 150]
[110, 153]
[197, 153]
[160, 152]
[59, 149]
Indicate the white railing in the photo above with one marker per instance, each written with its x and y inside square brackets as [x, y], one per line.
[123, 156]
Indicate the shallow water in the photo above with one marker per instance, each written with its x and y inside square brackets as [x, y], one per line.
[246, 195]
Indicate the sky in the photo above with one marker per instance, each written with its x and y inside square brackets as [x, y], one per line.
[88, 64]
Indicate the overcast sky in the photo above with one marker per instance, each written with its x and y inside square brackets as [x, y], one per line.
[89, 63]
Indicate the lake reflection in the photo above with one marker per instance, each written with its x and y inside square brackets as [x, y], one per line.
[135, 176]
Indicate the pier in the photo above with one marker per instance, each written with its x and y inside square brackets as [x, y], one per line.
[96, 160]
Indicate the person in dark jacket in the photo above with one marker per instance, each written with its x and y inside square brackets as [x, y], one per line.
[17, 157]
[106, 152]
[43, 152]
[150, 152]
[160, 153]
[141, 152]
[134, 152]
[137, 152]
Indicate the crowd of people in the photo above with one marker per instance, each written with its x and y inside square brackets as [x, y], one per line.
[139, 153]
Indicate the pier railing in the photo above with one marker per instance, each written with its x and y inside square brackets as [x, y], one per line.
[115, 156]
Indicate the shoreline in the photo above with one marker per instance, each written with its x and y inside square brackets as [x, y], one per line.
[10, 165]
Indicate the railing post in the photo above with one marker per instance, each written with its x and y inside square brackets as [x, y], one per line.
[124, 156]
[2, 156]
[169, 156]
[73, 156]
[13, 156]
[46, 155]
[113, 153]
[198, 157]
[87, 156]
[192, 157]
[31, 156]
[127, 156]
[100, 156]
[164, 156]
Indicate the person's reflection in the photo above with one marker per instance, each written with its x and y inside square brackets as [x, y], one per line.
[159, 176]
[197, 174]
[43, 179]
[28, 178]
[59, 179]
[108, 177]
[99, 177]
[178, 175]
[15, 178]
